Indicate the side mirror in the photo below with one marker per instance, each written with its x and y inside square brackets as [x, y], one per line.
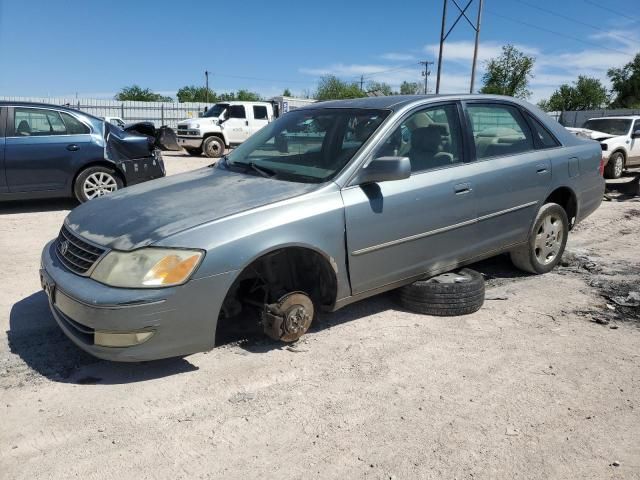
[635, 134]
[384, 169]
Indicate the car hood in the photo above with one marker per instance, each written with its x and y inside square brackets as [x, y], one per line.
[141, 215]
[592, 134]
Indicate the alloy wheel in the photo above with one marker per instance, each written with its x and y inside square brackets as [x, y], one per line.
[99, 184]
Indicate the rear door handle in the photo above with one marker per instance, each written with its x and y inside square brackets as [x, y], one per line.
[541, 168]
[462, 188]
[73, 147]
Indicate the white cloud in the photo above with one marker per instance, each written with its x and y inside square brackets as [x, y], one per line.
[398, 57]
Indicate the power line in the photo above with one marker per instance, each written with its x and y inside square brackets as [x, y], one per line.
[261, 79]
[571, 19]
[560, 34]
[615, 12]
[395, 69]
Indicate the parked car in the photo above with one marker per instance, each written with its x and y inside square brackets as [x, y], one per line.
[52, 151]
[224, 125]
[619, 138]
[117, 121]
[382, 192]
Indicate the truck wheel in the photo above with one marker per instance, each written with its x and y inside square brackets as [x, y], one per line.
[546, 242]
[449, 294]
[213, 147]
[94, 182]
[289, 318]
[194, 152]
[615, 165]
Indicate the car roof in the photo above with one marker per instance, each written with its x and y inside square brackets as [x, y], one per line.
[617, 117]
[396, 102]
[66, 108]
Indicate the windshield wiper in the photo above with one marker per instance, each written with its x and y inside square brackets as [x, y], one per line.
[265, 172]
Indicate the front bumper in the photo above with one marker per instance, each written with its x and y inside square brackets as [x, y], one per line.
[183, 319]
[140, 170]
[190, 142]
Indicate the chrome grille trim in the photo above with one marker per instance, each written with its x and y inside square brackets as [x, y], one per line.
[77, 254]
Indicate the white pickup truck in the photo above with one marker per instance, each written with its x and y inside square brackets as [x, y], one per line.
[223, 126]
[619, 138]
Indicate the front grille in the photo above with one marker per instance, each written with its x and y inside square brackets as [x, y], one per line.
[76, 254]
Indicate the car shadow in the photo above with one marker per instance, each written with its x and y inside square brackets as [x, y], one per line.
[36, 338]
[32, 206]
[624, 188]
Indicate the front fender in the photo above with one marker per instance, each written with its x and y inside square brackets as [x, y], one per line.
[314, 221]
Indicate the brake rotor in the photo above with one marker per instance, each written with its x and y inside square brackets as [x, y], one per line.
[289, 318]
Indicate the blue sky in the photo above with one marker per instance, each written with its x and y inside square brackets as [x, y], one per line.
[93, 48]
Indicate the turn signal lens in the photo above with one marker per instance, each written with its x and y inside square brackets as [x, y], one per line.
[170, 270]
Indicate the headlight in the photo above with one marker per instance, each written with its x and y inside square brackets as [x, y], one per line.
[147, 267]
[196, 125]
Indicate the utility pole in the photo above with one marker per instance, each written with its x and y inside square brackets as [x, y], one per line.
[475, 48]
[426, 74]
[206, 76]
[444, 36]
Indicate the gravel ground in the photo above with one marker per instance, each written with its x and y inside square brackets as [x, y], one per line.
[542, 382]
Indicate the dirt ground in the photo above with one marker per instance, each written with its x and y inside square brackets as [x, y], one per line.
[531, 386]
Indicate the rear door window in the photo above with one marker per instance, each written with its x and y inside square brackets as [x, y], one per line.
[499, 130]
[31, 122]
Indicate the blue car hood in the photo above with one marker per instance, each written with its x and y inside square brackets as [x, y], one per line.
[141, 215]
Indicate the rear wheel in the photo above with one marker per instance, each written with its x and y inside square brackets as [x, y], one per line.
[94, 182]
[194, 152]
[546, 242]
[615, 165]
[213, 147]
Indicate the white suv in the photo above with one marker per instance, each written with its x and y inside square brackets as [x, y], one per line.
[224, 125]
[619, 138]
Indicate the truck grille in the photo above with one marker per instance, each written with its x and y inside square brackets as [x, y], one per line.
[76, 254]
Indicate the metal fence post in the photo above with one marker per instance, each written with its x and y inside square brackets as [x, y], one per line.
[162, 114]
[122, 111]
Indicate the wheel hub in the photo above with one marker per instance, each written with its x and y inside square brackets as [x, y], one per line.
[289, 318]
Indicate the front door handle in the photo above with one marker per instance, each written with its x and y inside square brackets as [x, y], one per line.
[462, 188]
[73, 147]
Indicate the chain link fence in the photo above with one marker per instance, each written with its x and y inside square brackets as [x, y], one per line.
[577, 118]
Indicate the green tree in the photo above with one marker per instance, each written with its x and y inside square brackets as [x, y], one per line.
[287, 93]
[585, 94]
[136, 92]
[625, 83]
[379, 88]
[331, 87]
[240, 96]
[410, 88]
[508, 74]
[191, 93]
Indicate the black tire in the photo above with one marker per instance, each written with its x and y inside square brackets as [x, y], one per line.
[532, 256]
[462, 293]
[615, 165]
[213, 147]
[111, 182]
[194, 152]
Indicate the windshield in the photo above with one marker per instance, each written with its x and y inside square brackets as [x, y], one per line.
[216, 110]
[612, 126]
[309, 146]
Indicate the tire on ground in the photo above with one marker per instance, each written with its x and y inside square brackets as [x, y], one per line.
[194, 152]
[460, 296]
[527, 257]
[78, 186]
[615, 165]
[213, 147]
